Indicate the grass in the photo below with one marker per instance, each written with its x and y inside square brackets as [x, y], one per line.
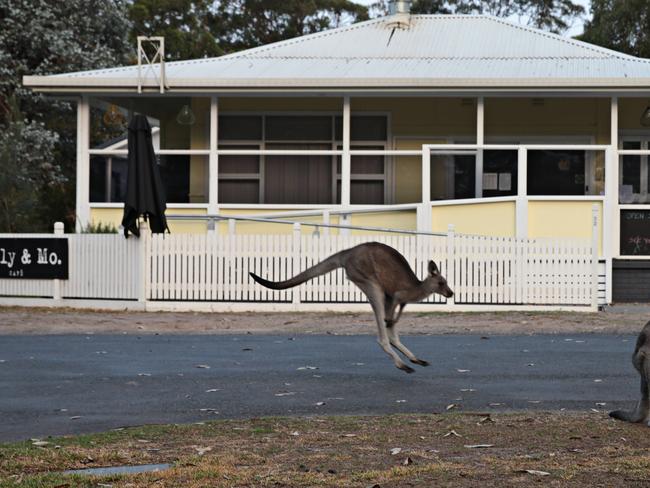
[576, 449]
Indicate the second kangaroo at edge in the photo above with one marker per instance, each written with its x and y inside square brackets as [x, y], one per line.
[388, 281]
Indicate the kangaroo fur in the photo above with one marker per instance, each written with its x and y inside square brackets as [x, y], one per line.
[388, 282]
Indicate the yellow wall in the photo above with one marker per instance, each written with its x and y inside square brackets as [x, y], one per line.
[547, 117]
[405, 220]
[242, 227]
[490, 219]
[629, 113]
[563, 219]
[114, 216]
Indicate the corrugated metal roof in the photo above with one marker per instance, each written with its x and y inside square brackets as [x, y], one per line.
[432, 51]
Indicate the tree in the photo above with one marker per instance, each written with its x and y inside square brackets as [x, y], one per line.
[183, 23]
[26, 155]
[42, 37]
[622, 25]
[242, 24]
[553, 15]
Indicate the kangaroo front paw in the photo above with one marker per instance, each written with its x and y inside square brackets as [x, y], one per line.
[405, 368]
[421, 362]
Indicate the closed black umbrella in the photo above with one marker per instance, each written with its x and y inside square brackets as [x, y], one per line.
[145, 194]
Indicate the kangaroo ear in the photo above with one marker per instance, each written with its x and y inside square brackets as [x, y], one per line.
[433, 269]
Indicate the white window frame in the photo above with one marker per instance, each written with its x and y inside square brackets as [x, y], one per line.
[334, 144]
[644, 191]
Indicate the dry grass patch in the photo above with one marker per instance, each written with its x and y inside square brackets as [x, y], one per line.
[545, 449]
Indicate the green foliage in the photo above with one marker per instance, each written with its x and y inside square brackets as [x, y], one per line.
[242, 24]
[99, 228]
[552, 15]
[185, 24]
[26, 166]
[623, 25]
[42, 37]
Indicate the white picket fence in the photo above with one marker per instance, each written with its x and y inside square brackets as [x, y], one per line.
[192, 269]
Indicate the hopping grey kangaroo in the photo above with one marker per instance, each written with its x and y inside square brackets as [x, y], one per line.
[641, 361]
[388, 281]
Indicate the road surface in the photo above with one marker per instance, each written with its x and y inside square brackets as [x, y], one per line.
[69, 384]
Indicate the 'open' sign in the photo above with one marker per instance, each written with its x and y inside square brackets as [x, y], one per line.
[34, 258]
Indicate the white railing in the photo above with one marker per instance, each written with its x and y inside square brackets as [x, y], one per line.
[481, 270]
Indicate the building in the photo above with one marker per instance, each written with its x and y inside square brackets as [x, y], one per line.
[406, 121]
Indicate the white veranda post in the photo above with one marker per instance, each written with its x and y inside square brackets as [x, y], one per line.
[480, 140]
[346, 161]
[82, 205]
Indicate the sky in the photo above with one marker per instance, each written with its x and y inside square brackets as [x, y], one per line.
[575, 30]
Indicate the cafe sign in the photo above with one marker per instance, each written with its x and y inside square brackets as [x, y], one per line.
[34, 258]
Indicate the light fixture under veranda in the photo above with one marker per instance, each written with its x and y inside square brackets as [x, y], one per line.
[645, 117]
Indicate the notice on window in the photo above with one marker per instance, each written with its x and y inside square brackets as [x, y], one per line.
[505, 181]
[635, 232]
[37, 259]
[490, 181]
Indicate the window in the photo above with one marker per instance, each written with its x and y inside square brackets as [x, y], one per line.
[367, 178]
[556, 172]
[298, 128]
[239, 176]
[298, 179]
[634, 176]
[108, 179]
[304, 179]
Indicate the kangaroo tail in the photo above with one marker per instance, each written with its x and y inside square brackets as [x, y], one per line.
[329, 264]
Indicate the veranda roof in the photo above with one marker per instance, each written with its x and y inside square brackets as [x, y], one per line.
[441, 52]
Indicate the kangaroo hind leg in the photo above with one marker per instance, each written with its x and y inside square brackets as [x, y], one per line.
[377, 301]
[393, 337]
[642, 411]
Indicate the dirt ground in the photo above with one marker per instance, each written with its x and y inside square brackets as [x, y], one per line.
[627, 319]
[452, 449]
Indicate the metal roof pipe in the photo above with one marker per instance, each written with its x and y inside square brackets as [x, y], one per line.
[399, 7]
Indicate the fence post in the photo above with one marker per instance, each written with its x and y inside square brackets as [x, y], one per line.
[295, 248]
[451, 263]
[344, 220]
[594, 257]
[143, 252]
[326, 220]
[212, 226]
[59, 230]
[231, 226]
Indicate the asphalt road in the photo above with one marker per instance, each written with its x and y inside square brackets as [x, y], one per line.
[52, 385]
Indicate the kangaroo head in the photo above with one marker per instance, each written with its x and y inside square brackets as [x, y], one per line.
[436, 283]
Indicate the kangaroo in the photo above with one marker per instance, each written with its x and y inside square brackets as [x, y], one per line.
[641, 361]
[388, 281]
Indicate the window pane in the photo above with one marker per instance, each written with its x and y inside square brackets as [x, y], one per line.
[240, 128]
[238, 164]
[501, 166]
[239, 191]
[185, 178]
[367, 192]
[556, 172]
[299, 128]
[630, 182]
[176, 122]
[364, 165]
[452, 177]
[298, 179]
[635, 232]
[107, 179]
[364, 128]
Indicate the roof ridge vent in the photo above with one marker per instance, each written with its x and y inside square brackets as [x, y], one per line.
[399, 7]
[399, 12]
